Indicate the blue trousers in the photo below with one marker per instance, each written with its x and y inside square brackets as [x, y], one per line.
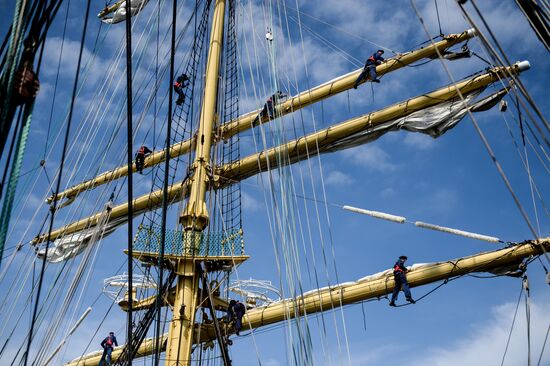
[106, 356]
[369, 71]
[400, 284]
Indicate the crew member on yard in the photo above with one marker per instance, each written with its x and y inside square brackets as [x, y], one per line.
[370, 68]
[181, 82]
[143, 151]
[107, 345]
[268, 112]
[400, 277]
[239, 309]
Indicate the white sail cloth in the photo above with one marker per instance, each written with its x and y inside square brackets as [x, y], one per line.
[119, 15]
[71, 245]
[434, 121]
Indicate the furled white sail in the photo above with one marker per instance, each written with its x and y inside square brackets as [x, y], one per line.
[117, 13]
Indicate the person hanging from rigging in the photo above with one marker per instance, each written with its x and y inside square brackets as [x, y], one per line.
[239, 310]
[370, 69]
[400, 277]
[107, 345]
[179, 84]
[143, 151]
[268, 112]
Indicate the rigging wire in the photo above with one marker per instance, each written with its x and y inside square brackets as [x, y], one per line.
[58, 186]
[160, 282]
[543, 346]
[130, 181]
[482, 135]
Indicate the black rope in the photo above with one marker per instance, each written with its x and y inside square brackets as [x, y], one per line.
[512, 327]
[159, 299]
[129, 130]
[438, 21]
[543, 346]
[58, 185]
[10, 152]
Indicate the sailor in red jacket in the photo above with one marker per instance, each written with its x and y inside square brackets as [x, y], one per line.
[108, 343]
[400, 277]
[143, 151]
[370, 68]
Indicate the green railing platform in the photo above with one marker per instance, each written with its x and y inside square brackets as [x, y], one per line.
[189, 244]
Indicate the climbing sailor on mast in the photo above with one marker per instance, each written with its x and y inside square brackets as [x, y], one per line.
[400, 277]
[107, 345]
[181, 82]
[370, 68]
[143, 151]
[236, 311]
[269, 108]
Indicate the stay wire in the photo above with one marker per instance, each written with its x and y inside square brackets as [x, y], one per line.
[543, 346]
[58, 185]
[130, 181]
[160, 294]
[512, 327]
[482, 136]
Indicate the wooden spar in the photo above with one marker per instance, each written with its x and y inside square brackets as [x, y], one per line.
[318, 142]
[361, 290]
[296, 150]
[293, 104]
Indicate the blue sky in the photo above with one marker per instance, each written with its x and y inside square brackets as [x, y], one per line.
[448, 181]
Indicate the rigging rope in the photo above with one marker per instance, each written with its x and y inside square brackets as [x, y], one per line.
[63, 154]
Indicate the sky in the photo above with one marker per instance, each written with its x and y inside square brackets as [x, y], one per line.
[295, 231]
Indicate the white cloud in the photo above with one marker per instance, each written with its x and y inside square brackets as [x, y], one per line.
[388, 193]
[419, 141]
[337, 178]
[250, 203]
[372, 157]
[485, 343]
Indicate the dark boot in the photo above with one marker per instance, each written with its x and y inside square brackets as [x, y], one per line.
[376, 81]
[392, 303]
[410, 299]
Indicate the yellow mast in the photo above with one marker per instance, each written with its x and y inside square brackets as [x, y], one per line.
[301, 100]
[194, 217]
[370, 287]
[313, 143]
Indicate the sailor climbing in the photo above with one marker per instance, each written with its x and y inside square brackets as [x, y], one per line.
[143, 151]
[268, 112]
[230, 311]
[238, 309]
[107, 345]
[400, 277]
[181, 82]
[370, 69]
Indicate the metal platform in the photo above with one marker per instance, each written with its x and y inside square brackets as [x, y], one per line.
[226, 246]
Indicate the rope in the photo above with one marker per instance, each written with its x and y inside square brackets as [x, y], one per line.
[438, 20]
[159, 300]
[543, 346]
[528, 317]
[58, 186]
[482, 136]
[512, 327]
[14, 176]
[130, 156]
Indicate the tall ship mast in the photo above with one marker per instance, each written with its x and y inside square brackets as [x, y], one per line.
[202, 285]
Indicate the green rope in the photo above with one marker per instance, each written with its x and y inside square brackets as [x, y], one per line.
[14, 176]
[14, 50]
